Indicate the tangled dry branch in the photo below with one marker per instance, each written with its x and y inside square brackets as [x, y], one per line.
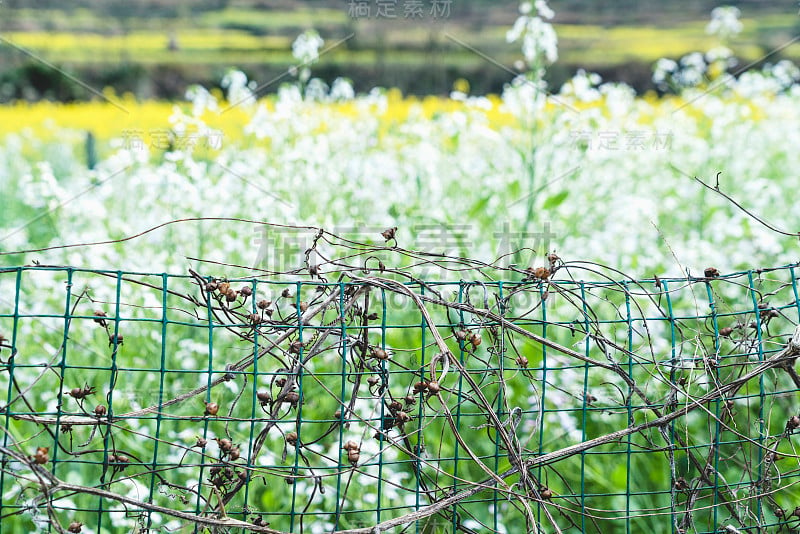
[352, 395]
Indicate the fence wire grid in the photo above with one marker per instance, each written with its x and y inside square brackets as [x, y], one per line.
[363, 402]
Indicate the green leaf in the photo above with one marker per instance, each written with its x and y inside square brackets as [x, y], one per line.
[555, 200]
[479, 207]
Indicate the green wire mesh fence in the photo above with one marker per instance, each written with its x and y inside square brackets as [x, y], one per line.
[369, 403]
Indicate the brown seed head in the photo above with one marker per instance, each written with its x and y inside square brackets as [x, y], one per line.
[475, 339]
[42, 455]
[793, 423]
[389, 233]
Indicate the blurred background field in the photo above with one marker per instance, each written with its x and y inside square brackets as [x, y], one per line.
[157, 48]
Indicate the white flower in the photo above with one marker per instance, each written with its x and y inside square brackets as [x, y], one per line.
[239, 91]
[724, 22]
[306, 47]
[342, 89]
[539, 40]
[544, 10]
[664, 70]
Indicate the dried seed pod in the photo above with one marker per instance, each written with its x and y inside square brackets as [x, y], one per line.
[42, 455]
[475, 339]
[99, 316]
[793, 422]
[711, 272]
[546, 493]
[118, 338]
[295, 347]
[681, 484]
[461, 335]
[433, 387]
[372, 317]
[212, 408]
[231, 295]
[233, 454]
[223, 288]
[291, 438]
[264, 397]
[245, 291]
[280, 382]
[292, 397]
[542, 273]
[81, 393]
[522, 361]
[263, 304]
[380, 354]
[75, 527]
[211, 287]
[410, 399]
[225, 445]
[395, 406]
[119, 459]
[285, 293]
[303, 306]
[372, 380]
[403, 417]
[726, 332]
[100, 410]
[353, 456]
[389, 233]
[201, 442]
[419, 387]
[351, 445]
[337, 414]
